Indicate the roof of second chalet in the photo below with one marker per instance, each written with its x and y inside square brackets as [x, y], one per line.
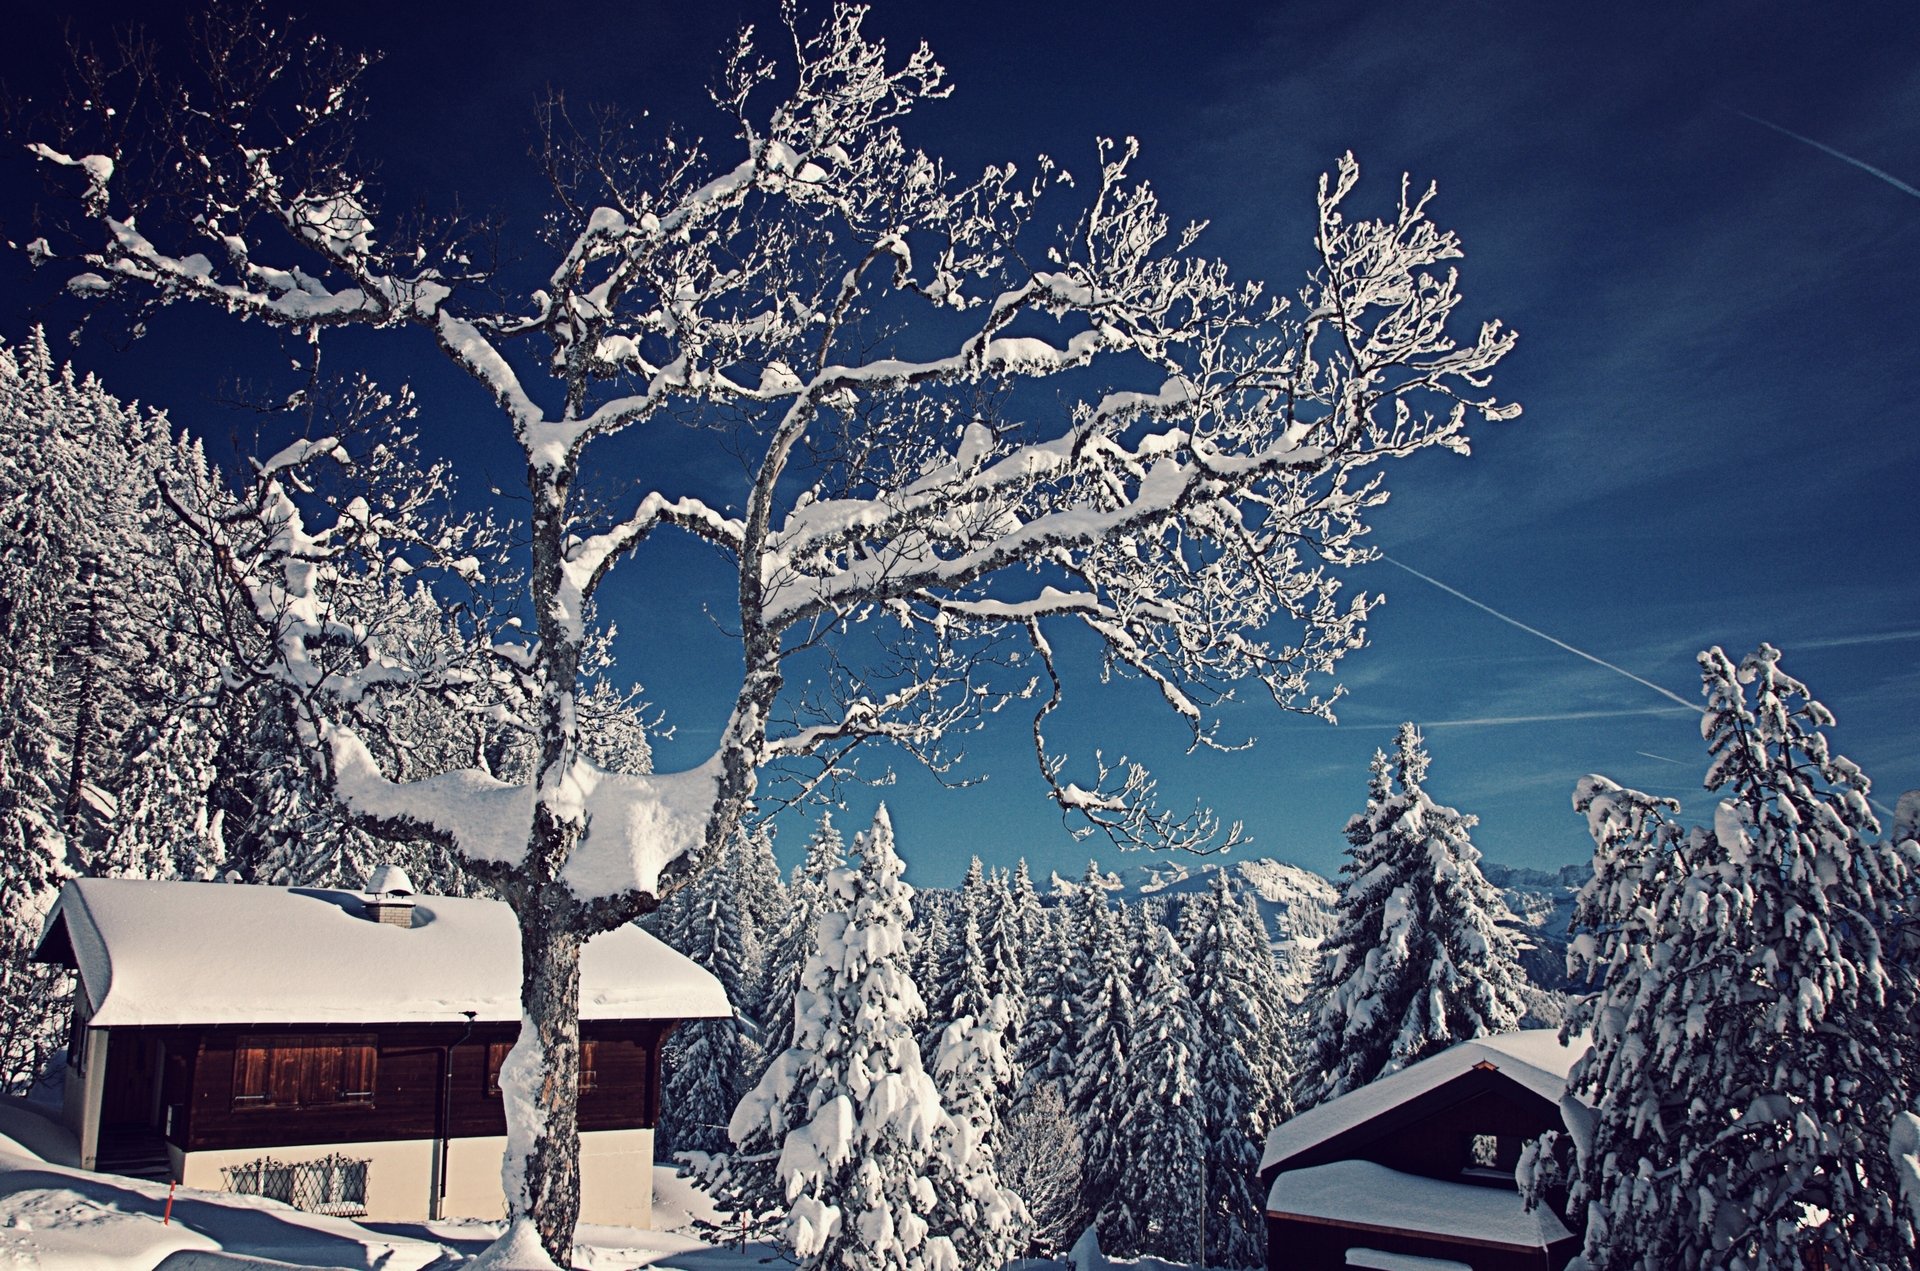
[166, 953]
[1533, 1058]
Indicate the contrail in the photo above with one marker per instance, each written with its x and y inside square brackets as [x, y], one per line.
[1824, 148]
[1535, 631]
[1662, 758]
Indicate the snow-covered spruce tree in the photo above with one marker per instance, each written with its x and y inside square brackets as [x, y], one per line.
[762, 896]
[1100, 986]
[851, 1120]
[1012, 927]
[84, 642]
[710, 1064]
[1164, 1148]
[1903, 1146]
[1243, 1063]
[1418, 960]
[1745, 1067]
[1044, 1051]
[987, 1221]
[793, 940]
[833, 307]
[962, 989]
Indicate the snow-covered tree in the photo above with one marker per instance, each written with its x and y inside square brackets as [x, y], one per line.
[987, 1222]
[1418, 960]
[1013, 924]
[793, 940]
[835, 307]
[1903, 1146]
[1039, 1159]
[710, 1064]
[850, 1119]
[1044, 1052]
[962, 989]
[1745, 1066]
[84, 645]
[1164, 1147]
[1243, 1063]
[1100, 986]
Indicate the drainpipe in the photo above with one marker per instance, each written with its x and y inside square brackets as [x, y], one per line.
[444, 1128]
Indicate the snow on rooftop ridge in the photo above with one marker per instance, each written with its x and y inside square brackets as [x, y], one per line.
[168, 953]
[1368, 1195]
[1533, 1057]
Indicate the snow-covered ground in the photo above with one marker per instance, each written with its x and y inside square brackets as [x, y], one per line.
[54, 1217]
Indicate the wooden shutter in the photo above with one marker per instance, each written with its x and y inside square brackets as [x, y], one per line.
[250, 1065]
[357, 1070]
[320, 1061]
[285, 1071]
[304, 1072]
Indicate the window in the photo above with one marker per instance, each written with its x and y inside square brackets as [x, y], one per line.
[1491, 1158]
[497, 1056]
[304, 1072]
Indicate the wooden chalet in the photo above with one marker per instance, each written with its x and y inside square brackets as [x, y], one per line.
[1416, 1170]
[342, 1051]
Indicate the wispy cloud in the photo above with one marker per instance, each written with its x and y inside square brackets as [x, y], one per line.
[1841, 155]
[1850, 641]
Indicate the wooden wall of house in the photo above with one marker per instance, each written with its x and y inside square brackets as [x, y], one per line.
[1437, 1146]
[408, 1064]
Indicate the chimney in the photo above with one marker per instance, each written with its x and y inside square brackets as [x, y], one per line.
[389, 897]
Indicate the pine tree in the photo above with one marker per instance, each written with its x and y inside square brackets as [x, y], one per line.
[1243, 1063]
[1745, 1066]
[846, 1114]
[1164, 1148]
[1418, 960]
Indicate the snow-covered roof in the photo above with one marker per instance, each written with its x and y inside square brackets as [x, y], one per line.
[1532, 1057]
[154, 953]
[1369, 1196]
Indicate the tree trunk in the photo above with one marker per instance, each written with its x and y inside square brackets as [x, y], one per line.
[542, 1170]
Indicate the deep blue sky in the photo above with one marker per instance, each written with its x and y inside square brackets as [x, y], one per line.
[1718, 360]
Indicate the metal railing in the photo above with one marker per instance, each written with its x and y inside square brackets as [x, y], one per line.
[335, 1185]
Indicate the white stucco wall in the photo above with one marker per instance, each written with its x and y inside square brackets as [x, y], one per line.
[616, 1175]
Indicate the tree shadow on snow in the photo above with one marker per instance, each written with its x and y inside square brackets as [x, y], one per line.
[237, 1228]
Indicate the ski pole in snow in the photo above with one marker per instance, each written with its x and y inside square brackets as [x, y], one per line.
[166, 1218]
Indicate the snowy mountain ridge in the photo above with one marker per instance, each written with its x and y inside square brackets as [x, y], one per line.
[1297, 904]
